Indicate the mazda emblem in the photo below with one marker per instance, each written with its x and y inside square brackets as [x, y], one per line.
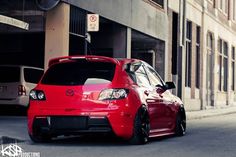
[69, 92]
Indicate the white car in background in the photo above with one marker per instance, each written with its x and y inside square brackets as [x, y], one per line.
[16, 81]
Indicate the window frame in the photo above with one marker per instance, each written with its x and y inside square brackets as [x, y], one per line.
[198, 56]
[234, 10]
[223, 6]
[223, 61]
[233, 68]
[188, 59]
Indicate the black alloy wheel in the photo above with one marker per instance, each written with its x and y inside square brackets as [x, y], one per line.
[141, 127]
[180, 129]
[42, 138]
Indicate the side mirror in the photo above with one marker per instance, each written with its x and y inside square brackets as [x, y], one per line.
[170, 85]
[160, 88]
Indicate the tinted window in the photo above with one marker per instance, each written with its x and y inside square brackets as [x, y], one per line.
[79, 73]
[32, 75]
[9, 74]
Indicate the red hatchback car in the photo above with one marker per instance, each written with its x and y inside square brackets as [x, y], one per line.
[95, 94]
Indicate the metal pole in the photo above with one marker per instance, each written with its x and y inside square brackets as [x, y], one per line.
[85, 36]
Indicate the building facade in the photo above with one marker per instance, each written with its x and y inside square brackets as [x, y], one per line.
[208, 54]
[191, 42]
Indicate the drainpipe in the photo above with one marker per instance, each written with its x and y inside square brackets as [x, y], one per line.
[181, 53]
[203, 48]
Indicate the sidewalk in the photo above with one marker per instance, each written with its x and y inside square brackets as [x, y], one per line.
[210, 112]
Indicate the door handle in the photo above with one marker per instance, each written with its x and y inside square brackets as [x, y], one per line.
[154, 101]
[150, 101]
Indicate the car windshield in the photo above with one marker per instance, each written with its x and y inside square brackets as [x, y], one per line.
[9, 74]
[79, 72]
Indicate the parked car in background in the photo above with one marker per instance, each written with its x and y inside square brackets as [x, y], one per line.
[16, 81]
[95, 94]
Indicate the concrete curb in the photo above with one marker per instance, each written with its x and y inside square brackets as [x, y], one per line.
[210, 112]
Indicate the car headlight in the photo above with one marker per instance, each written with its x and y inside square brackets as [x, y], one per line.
[37, 95]
[113, 94]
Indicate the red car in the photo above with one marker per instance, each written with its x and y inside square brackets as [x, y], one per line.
[95, 94]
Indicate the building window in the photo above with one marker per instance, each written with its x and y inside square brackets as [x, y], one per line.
[226, 6]
[198, 39]
[223, 65]
[234, 10]
[209, 61]
[188, 54]
[223, 6]
[158, 2]
[233, 69]
[77, 21]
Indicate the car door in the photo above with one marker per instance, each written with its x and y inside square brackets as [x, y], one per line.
[163, 112]
[146, 91]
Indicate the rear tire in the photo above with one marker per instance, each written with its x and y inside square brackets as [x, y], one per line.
[141, 127]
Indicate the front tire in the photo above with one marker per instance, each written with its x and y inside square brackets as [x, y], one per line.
[141, 127]
[180, 129]
[40, 138]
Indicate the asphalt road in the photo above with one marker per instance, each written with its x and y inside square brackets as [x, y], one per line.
[207, 137]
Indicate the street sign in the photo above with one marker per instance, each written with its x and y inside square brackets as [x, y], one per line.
[92, 22]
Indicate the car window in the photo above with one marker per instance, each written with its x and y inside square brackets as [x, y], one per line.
[138, 74]
[79, 72]
[153, 77]
[32, 75]
[142, 80]
[9, 74]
